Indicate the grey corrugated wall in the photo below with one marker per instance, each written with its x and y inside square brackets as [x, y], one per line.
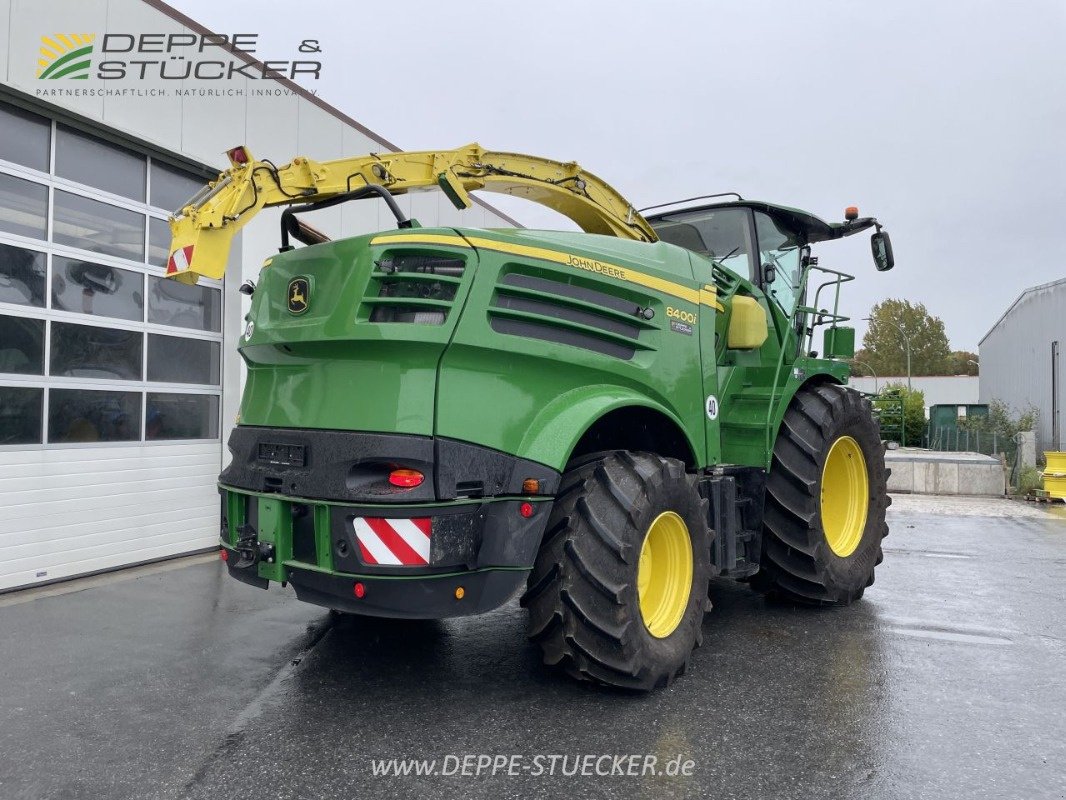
[1016, 357]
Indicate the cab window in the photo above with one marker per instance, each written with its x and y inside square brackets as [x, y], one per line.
[779, 248]
[721, 234]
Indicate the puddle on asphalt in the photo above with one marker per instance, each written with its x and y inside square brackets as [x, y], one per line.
[951, 636]
[923, 629]
[926, 553]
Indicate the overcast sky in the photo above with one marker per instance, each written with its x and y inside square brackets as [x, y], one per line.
[947, 121]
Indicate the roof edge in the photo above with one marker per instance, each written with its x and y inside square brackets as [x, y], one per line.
[189, 22]
[1018, 299]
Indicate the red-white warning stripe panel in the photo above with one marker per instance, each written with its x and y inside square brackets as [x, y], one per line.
[179, 260]
[394, 542]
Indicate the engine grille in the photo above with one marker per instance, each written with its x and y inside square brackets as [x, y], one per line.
[539, 307]
[414, 288]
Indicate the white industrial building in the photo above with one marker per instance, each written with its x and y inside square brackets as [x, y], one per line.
[1020, 361]
[939, 390]
[118, 389]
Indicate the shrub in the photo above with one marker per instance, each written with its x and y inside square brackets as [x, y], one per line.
[1029, 478]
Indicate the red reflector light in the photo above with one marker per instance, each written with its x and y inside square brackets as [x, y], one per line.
[223, 554]
[238, 155]
[526, 509]
[360, 590]
[406, 478]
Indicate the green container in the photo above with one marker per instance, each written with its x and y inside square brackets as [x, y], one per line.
[839, 343]
[943, 416]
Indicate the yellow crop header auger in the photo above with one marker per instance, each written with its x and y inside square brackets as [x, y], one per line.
[204, 228]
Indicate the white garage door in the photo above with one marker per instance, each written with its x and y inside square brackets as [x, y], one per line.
[110, 376]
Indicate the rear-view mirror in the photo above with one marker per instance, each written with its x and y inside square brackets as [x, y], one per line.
[882, 250]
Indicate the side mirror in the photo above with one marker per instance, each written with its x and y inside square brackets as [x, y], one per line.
[881, 246]
[769, 274]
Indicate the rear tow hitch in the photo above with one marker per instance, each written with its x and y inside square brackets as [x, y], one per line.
[250, 551]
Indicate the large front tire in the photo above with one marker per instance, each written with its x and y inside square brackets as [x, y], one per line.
[619, 588]
[826, 496]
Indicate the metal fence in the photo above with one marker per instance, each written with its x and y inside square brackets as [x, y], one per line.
[963, 440]
[890, 414]
[953, 439]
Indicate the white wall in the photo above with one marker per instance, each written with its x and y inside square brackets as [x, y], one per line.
[960, 390]
[79, 508]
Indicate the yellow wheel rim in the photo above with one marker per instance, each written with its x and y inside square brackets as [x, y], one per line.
[845, 496]
[664, 574]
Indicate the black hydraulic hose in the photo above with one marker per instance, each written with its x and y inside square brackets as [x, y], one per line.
[290, 225]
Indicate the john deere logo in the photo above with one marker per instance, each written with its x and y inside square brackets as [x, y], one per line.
[65, 55]
[299, 295]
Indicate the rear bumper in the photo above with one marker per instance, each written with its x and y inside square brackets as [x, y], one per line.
[484, 547]
[428, 597]
[353, 466]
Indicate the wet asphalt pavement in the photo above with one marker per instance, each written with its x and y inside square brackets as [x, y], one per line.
[948, 680]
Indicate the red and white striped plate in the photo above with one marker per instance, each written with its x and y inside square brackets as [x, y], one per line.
[394, 542]
[179, 260]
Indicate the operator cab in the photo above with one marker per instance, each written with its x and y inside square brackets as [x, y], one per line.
[768, 244]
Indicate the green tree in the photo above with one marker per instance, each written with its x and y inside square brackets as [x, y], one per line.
[885, 345]
[888, 409]
[962, 362]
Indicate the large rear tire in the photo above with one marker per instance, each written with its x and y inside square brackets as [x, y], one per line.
[619, 588]
[826, 496]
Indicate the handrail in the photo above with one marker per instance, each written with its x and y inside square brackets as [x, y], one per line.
[808, 332]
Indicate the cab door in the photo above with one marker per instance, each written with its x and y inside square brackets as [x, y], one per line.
[780, 269]
[728, 237]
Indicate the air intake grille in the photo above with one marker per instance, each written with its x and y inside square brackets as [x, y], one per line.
[537, 307]
[725, 281]
[414, 287]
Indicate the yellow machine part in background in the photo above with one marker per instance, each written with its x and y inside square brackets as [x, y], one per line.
[203, 230]
[1055, 474]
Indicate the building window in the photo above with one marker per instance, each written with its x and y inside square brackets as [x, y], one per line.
[173, 359]
[25, 138]
[21, 346]
[85, 287]
[88, 415]
[158, 242]
[23, 207]
[22, 275]
[86, 351]
[95, 345]
[98, 227]
[85, 159]
[184, 306]
[171, 189]
[181, 416]
[20, 414]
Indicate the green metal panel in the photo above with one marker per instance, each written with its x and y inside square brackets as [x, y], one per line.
[329, 367]
[943, 416]
[530, 389]
[838, 342]
[535, 398]
[275, 528]
[323, 537]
